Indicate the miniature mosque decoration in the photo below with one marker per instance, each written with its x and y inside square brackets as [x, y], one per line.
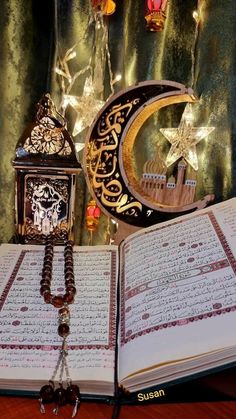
[171, 190]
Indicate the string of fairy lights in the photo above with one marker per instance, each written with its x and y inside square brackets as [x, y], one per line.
[183, 139]
[87, 105]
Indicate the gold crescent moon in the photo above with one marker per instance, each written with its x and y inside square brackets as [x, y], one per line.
[108, 152]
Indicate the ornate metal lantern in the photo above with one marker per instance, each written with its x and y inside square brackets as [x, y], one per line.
[156, 14]
[46, 166]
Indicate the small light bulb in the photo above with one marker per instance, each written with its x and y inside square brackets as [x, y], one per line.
[65, 102]
[118, 77]
[196, 16]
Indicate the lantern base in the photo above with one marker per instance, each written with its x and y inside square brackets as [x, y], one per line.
[155, 21]
[92, 223]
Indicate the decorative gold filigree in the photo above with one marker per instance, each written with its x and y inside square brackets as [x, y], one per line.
[33, 235]
[102, 162]
[46, 138]
[46, 204]
[60, 186]
[110, 169]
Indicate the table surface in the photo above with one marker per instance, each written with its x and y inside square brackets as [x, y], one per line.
[215, 397]
[23, 408]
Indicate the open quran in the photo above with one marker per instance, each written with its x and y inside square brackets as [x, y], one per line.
[176, 310]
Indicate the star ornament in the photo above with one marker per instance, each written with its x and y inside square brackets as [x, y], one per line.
[86, 106]
[184, 139]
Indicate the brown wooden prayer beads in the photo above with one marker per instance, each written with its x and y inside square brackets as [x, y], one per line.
[59, 301]
[70, 290]
[60, 396]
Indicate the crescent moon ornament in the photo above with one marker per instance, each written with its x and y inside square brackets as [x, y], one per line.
[108, 164]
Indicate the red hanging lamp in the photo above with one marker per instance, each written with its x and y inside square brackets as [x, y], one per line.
[155, 14]
[92, 216]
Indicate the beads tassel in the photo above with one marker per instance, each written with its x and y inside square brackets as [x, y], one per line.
[47, 393]
[75, 410]
[41, 407]
[55, 410]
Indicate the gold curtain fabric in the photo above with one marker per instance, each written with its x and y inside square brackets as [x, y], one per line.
[33, 33]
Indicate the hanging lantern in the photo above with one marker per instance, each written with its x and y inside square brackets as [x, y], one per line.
[155, 14]
[106, 7]
[93, 214]
[46, 166]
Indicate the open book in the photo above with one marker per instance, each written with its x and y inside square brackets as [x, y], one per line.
[177, 313]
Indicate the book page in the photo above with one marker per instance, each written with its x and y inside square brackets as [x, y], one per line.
[29, 343]
[178, 289]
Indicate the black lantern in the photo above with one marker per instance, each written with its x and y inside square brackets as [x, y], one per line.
[46, 166]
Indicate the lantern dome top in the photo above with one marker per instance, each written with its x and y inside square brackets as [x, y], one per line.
[46, 141]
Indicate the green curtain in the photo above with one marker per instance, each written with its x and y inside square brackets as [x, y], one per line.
[26, 57]
[33, 34]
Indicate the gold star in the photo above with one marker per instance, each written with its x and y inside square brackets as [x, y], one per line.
[86, 106]
[184, 139]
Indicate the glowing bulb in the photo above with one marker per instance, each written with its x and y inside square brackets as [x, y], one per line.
[66, 101]
[196, 16]
[115, 224]
[118, 77]
[73, 55]
[69, 100]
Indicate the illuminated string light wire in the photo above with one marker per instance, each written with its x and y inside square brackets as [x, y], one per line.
[96, 81]
[185, 137]
[196, 16]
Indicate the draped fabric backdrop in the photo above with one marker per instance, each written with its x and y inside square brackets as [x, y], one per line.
[34, 32]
